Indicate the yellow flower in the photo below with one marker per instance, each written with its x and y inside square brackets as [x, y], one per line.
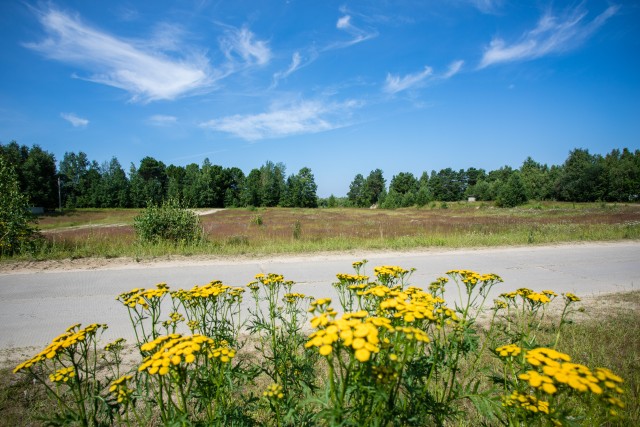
[274, 391]
[569, 297]
[363, 355]
[62, 375]
[510, 350]
[120, 390]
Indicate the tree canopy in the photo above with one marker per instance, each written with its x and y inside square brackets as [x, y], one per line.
[84, 183]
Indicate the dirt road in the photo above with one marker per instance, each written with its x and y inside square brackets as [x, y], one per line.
[38, 304]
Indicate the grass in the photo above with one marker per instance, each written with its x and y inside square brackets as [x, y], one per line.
[109, 233]
[607, 334]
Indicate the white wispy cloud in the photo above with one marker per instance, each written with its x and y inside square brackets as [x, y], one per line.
[358, 35]
[296, 63]
[76, 122]
[395, 83]
[131, 65]
[302, 117]
[454, 68]
[241, 42]
[162, 120]
[553, 34]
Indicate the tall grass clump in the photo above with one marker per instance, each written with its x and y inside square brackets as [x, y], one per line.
[387, 353]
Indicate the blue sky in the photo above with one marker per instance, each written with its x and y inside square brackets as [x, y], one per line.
[340, 87]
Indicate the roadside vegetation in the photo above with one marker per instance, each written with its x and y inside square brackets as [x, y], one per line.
[111, 233]
[386, 353]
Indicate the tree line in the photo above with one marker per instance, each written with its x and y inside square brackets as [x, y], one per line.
[583, 177]
[77, 182]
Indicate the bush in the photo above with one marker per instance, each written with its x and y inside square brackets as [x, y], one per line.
[16, 232]
[169, 222]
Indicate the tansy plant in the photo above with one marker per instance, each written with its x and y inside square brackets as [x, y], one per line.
[67, 369]
[389, 354]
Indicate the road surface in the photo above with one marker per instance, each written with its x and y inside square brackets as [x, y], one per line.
[37, 306]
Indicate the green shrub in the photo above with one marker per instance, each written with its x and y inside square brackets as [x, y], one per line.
[512, 193]
[257, 220]
[16, 232]
[169, 222]
[297, 230]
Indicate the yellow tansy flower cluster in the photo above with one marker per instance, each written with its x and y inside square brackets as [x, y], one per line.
[571, 297]
[319, 305]
[274, 391]
[352, 278]
[388, 272]
[526, 401]
[212, 290]
[414, 304]
[120, 390]
[142, 297]
[174, 319]
[510, 350]
[172, 350]
[534, 299]
[471, 278]
[438, 285]
[555, 369]
[412, 333]
[115, 345]
[271, 279]
[67, 340]
[352, 331]
[499, 305]
[358, 264]
[293, 297]
[62, 375]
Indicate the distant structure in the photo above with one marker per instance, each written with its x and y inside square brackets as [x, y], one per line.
[471, 199]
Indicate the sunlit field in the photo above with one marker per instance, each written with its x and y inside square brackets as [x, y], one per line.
[261, 231]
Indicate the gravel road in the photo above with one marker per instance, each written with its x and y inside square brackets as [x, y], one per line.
[36, 306]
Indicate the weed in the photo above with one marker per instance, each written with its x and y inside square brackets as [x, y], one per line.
[297, 230]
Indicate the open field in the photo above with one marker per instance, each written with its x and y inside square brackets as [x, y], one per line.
[109, 232]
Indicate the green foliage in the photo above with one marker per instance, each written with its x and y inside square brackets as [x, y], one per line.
[35, 171]
[257, 220]
[148, 182]
[16, 232]
[300, 191]
[512, 193]
[168, 222]
[374, 187]
[447, 185]
[297, 230]
[582, 177]
[356, 192]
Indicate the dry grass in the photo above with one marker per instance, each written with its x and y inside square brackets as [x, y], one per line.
[109, 232]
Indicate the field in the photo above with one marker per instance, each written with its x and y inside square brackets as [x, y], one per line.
[262, 231]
